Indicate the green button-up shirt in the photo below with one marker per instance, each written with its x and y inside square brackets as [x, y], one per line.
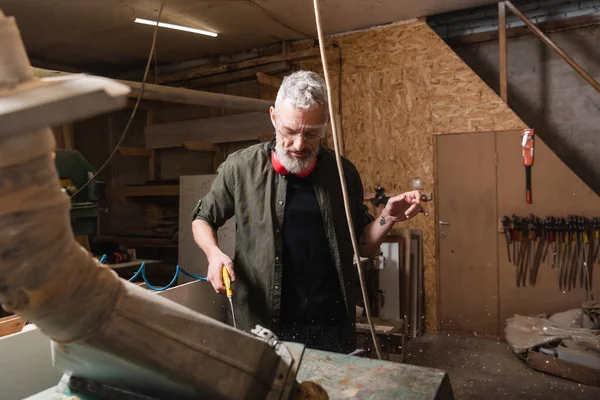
[248, 187]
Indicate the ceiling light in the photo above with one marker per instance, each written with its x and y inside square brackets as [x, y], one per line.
[178, 27]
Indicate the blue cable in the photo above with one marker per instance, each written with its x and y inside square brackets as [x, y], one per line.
[142, 271]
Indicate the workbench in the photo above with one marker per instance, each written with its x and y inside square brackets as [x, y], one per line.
[343, 377]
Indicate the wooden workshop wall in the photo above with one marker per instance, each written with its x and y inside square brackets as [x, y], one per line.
[95, 138]
[556, 191]
[401, 84]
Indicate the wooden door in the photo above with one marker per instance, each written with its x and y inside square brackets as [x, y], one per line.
[467, 229]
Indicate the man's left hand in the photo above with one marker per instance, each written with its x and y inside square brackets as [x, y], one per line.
[405, 206]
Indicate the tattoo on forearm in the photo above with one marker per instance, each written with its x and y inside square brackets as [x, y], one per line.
[382, 221]
[363, 242]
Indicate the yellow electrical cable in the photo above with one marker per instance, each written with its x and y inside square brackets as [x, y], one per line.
[343, 180]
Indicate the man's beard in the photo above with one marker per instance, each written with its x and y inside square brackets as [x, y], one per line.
[294, 165]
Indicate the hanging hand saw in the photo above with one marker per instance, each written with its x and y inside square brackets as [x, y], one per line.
[527, 143]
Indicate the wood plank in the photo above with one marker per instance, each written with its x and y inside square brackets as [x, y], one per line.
[502, 48]
[562, 368]
[237, 76]
[69, 141]
[218, 159]
[131, 241]
[11, 324]
[266, 137]
[595, 84]
[196, 97]
[268, 80]
[197, 73]
[200, 146]
[135, 263]
[231, 128]
[152, 166]
[148, 190]
[84, 241]
[135, 151]
[192, 258]
[177, 95]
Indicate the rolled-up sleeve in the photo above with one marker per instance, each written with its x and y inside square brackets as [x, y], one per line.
[218, 205]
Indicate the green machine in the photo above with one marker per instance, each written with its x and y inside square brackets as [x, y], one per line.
[74, 172]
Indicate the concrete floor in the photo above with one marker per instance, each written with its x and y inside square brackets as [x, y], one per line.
[487, 369]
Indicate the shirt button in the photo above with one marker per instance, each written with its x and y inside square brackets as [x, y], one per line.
[277, 258]
[280, 202]
[276, 230]
[276, 287]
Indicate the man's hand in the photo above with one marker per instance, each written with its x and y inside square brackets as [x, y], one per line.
[404, 206]
[215, 268]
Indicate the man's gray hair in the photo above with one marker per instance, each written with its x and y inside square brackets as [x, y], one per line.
[305, 89]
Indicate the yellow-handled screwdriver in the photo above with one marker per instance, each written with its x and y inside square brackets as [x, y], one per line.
[229, 292]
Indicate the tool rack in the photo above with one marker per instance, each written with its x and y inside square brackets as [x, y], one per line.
[570, 244]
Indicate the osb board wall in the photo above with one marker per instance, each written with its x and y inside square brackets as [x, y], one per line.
[400, 84]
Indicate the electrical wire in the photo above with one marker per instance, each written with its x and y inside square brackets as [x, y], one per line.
[343, 180]
[137, 103]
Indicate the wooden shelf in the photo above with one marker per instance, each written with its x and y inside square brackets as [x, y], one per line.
[135, 263]
[148, 191]
[139, 241]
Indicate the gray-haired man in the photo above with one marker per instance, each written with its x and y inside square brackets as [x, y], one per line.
[293, 268]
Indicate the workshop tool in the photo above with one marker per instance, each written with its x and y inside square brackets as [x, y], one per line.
[380, 197]
[541, 235]
[548, 233]
[527, 144]
[229, 292]
[507, 235]
[74, 172]
[525, 243]
[582, 225]
[516, 236]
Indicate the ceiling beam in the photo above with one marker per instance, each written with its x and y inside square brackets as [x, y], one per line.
[237, 76]
[268, 80]
[182, 96]
[197, 97]
[198, 73]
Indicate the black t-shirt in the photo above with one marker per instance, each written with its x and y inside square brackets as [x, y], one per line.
[311, 291]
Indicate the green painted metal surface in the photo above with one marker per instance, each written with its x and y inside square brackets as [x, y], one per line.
[344, 377]
[351, 377]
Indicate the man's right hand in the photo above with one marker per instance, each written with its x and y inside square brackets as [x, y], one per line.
[215, 268]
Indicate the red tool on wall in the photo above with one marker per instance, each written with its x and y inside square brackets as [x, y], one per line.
[527, 136]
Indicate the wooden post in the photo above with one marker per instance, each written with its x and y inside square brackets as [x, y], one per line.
[553, 46]
[152, 159]
[67, 131]
[502, 47]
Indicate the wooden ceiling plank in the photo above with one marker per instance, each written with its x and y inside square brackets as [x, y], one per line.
[198, 73]
[268, 80]
[238, 76]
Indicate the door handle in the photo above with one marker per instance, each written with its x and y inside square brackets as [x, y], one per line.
[444, 223]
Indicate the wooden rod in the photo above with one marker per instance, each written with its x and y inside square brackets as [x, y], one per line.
[502, 55]
[196, 97]
[179, 95]
[553, 46]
